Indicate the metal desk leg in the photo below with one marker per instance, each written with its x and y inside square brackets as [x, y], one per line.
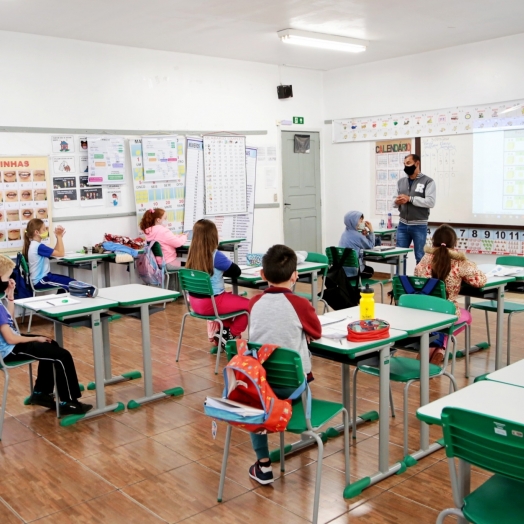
[94, 272]
[314, 289]
[59, 334]
[235, 253]
[148, 371]
[485, 345]
[107, 273]
[500, 325]
[384, 469]
[109, 378]
[132, 277]
[71, 271]
[98, 356]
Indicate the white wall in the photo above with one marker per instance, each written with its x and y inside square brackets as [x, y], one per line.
[489, 71]
[57, 83]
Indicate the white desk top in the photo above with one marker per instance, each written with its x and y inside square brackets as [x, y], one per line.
[85, 305]
[486, 397]
[412, 321]
[512, 271]
[512, 374]
[388, 253]
[135, 294]
[304, 267]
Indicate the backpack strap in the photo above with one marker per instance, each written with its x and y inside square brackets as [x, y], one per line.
[265, 352]
[407, 285]
[261, 354]
[429, 286]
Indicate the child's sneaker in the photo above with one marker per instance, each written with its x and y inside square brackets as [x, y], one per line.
[74, 408]
[47, 400]
[226, 337]
[262, 474]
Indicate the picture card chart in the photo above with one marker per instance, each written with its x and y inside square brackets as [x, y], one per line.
[106, 160]
[225, 179]
[165, 194]
[160, 156]
[229, 226]
[24, 194]
[389, 167]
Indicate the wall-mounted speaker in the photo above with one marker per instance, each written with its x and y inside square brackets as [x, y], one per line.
[285, 91]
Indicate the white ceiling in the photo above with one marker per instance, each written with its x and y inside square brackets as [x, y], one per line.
[246, 29]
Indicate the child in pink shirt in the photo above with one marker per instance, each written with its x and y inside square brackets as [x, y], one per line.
[155, 226]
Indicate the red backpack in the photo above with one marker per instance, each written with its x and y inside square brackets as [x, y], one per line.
[248, 401]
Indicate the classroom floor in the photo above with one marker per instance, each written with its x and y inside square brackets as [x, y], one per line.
[159, 463]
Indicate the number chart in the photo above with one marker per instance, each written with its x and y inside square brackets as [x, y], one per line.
[487, 241]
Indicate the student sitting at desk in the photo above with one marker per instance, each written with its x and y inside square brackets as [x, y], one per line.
[14, 346]
[154, 225]
[204, 256]
[443, 262]
[358, 235]
[282, 318]
[38, 255]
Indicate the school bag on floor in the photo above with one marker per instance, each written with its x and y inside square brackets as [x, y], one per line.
[339, 293]
[248, 401]
[148, 268]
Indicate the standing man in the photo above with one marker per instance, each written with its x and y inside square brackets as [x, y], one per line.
[415, 197]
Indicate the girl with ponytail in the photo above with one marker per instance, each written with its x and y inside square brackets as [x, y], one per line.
[442, 261]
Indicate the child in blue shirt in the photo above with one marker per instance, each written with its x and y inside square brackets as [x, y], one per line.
[204, 256]
[14, 346]
[38, 255]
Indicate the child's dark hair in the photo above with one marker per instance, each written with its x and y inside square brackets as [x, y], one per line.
[149, 218]
[444, 238]
[33, 225]
[279, 264]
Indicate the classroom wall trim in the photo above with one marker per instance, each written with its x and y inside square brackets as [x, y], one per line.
[96, 217]
[268, 205]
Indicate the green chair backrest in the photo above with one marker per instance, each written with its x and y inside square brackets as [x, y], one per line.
[487, 442]
[351, 260]
[317, 257]
[156, 248]
[418, 283]
[427, 303]
[510, 260]
[194, 281]
[23, 263]
[283, 368]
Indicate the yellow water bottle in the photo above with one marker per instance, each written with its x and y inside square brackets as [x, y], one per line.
[367, 303]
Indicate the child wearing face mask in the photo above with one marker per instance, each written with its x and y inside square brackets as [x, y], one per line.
[16, 347]
[358, 235]
[38, 255]
[154, 225]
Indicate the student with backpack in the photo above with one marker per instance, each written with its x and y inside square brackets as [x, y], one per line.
[442, 261]
[154, 226]
[38, 255]
[282, 318]
[204, 256]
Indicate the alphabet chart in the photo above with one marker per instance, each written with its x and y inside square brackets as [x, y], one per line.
[225, 179]
[229, 226]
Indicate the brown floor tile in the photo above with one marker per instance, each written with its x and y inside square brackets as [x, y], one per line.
[182, 492]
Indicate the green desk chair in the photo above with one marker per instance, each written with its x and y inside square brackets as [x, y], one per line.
[405, 369]
[353, 261]
[5, 367]
[511, 308]
[285, 374]
[25, 269]
[157, 252]
[320, 259]
[470, 438]
[199, 282]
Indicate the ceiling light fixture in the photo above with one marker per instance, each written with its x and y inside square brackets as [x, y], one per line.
[319, 40]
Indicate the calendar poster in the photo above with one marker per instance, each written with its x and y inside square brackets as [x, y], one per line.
[225, 178]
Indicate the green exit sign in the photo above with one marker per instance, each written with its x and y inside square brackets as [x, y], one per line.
[298, 120]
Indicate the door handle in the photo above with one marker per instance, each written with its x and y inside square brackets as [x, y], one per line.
[286, 204]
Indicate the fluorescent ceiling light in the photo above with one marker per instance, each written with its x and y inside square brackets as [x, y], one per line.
[319, 40]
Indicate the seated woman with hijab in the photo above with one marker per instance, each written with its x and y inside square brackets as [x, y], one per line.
[358, 235]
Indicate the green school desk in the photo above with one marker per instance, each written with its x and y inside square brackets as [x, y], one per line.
[135, 300]
[86, 312]
[349, 353]
[395, 256]
[78, 260]
[252, 276]
[512, 374]
[494, 289]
